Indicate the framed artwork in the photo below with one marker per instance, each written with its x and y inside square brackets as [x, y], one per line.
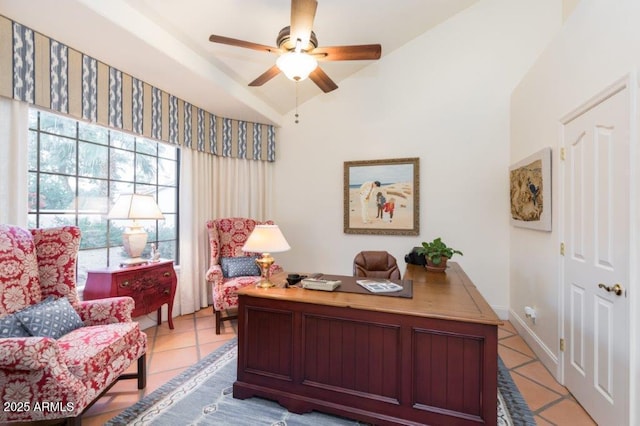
[530, 191]
[382, 197]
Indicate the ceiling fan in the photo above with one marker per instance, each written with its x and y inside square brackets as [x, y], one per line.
[299, 52]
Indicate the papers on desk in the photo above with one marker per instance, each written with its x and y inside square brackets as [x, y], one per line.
[380, 286]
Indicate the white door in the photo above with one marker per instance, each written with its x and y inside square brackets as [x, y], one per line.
[596, 237]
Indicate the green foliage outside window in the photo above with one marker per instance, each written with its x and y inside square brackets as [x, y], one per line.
[76, 172]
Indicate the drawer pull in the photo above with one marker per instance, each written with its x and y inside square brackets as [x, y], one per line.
[124, 284]
[166, 274]
[166, 291]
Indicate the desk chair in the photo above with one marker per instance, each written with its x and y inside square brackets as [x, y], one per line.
[376, 264]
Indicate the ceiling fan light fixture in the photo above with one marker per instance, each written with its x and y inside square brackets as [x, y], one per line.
[296, 65]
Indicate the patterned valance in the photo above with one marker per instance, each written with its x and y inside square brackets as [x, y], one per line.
[43, 72]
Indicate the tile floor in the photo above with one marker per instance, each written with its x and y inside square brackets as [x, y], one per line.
[171, 351]
[550, 402]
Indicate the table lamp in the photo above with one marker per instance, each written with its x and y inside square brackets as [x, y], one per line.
[135, 207]
[266, 239]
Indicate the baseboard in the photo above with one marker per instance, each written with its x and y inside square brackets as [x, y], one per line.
[151, 319]
[146, 322]
[544, 353]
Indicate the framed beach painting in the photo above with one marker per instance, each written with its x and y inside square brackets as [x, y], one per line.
[530, 191]
[382, 197]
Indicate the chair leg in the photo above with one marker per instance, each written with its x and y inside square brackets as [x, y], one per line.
[218, 320]
[142, 371]
[73, 421]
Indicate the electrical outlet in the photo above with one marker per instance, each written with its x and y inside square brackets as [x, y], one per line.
[530, 313]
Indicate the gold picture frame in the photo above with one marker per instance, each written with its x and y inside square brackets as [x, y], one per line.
[382, 197]
[530, 191]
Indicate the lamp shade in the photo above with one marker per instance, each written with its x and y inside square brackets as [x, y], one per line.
[136, 207]
[266, 239]
[296, 65]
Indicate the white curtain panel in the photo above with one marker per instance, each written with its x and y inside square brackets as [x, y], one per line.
[213, 187]
[14, 143]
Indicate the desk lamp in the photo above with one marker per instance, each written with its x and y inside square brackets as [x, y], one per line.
[266, 239]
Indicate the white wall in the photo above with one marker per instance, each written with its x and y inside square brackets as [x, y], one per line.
[599, 44]
[444, 97]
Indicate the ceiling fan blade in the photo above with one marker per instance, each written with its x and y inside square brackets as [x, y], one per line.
[302, 14]
[266, 76]
[241, 43]
[347, 53]
[322, 80]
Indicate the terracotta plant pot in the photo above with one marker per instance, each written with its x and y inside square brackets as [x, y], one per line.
[437, 268]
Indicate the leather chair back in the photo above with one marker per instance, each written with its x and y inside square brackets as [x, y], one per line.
[376, 264]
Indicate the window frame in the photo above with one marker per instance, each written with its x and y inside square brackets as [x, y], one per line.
[156, 155]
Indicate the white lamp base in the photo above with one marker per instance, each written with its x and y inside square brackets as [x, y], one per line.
[134, 239]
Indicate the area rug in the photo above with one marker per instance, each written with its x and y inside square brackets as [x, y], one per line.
[203, 395]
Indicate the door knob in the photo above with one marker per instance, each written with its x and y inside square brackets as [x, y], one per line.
[617, 288]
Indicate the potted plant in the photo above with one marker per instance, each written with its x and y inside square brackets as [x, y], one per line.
[436, 254]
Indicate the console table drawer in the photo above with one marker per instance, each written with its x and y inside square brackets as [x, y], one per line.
[150, 285]
[130, 283]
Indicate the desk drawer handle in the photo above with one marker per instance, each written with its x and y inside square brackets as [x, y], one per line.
[166, 274]
[124, 284]
[166, 291]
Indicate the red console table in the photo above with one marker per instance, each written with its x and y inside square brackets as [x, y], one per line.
[150, 285]
[431, 359]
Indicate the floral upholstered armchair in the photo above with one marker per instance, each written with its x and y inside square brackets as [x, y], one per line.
[230, 268]
[57, 354]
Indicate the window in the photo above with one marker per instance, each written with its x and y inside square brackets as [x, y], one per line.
[76, 172]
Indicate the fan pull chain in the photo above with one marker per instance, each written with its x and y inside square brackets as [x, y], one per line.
[297, 102]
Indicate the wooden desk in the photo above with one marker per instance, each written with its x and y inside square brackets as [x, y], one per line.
[431, 359]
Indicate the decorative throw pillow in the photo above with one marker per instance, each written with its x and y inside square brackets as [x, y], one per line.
[10, 326]
[50, 318]
[244, 266]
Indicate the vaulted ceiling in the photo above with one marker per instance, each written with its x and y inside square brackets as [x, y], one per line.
[166, 42]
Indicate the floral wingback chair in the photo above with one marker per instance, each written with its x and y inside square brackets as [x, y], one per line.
[230, 268]
[54, 348]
